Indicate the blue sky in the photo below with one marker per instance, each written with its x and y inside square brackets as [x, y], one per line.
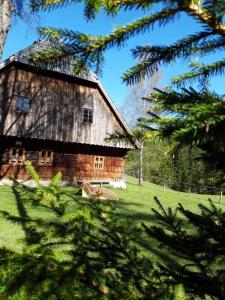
[24, 33]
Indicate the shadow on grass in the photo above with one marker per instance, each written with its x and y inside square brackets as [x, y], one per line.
[121, 209]
[137, 216]
[93, 248]
[123, 202]
[22, 212]
[116, 210]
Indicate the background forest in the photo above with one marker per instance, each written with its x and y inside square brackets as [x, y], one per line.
[183, 170]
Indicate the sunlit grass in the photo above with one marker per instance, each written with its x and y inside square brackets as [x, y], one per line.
[135, 202]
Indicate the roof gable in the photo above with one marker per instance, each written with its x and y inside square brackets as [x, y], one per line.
[65, 67]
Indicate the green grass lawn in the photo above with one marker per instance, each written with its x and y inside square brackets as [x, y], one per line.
[138, 201]
[135, 202]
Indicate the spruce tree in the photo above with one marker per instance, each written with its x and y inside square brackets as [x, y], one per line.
[193, 248]
[192, 118]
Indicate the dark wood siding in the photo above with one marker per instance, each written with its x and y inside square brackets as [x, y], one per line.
[75, 161]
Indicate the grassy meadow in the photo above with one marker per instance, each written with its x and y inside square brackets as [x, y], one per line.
[135, 203]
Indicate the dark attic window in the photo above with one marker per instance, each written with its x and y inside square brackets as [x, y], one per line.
[22, 104]
[88, 115]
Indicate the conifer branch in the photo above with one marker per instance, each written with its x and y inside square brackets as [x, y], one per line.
[202, 72]
[89, 49]
[152, 57]
[214, 22]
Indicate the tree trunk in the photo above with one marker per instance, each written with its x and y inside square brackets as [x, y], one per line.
[6, 11]
[141, 165]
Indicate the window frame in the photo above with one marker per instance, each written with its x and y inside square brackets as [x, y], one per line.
[45, 160]
[24, 102]
[17, 161]
[90, 115]
[99, 162]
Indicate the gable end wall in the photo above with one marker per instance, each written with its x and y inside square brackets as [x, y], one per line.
[56, 111]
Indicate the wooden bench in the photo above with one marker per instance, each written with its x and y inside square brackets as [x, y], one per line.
[89, 191]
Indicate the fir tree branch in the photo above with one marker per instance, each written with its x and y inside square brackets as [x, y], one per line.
[218, 68]
[153, 56]
[89, 49]
[116, 38]
[195, 10]
[91, 8]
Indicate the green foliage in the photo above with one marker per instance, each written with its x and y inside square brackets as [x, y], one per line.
[181, 170]
[179, 293]
[91, 233]
[92, 7]
[195, 246]
[192, 118]
[56, 180]
[46, 196]
[33, 173]
[89, 50]
[84, 254]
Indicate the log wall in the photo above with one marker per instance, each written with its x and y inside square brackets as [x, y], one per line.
[75, 161]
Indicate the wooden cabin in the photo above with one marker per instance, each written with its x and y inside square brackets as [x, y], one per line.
[59, 122]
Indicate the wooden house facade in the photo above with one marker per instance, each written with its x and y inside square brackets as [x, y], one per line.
[59, 122]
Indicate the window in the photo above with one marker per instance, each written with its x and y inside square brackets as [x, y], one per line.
[17, 156]
[22, 104]
[88, 115]
[99, 162]
[46, 157]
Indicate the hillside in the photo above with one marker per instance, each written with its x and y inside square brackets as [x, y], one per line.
[141, 199]
[135, 202]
